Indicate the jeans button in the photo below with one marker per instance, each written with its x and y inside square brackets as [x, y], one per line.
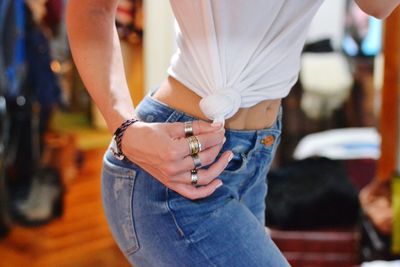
[268, 140]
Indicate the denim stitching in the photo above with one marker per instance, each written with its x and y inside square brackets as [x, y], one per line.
[135, 248]
[172, 214]
[129, 175]
[184, 236]
[117, 170]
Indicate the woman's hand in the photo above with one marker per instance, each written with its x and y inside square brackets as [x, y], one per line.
[163, 151]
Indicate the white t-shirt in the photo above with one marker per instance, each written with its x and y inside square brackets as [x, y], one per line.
[236, 53]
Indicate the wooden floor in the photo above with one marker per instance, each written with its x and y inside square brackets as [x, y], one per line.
[80, 238]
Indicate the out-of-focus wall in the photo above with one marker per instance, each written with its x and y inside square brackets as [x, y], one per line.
[329, 22]
[159, 41]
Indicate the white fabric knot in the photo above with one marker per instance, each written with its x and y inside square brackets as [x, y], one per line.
[221, 105]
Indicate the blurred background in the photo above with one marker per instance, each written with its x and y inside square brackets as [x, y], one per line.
[334, 193]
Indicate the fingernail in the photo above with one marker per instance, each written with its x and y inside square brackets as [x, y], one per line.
[216, 124]
[219, 184]
[230, 157]
[224, 140]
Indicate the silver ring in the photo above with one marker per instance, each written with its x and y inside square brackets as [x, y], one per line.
[194, 177]
[188, 128]
[196, 160]
[194, 145]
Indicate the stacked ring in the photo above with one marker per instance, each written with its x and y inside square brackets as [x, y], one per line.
[194, 145]
[194, 148]
[188, 128]
[194, 176]
[196, 161]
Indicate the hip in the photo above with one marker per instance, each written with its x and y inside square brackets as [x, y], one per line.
[146, 217]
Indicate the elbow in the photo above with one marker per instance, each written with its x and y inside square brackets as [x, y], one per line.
[379, 13]
[379, 10]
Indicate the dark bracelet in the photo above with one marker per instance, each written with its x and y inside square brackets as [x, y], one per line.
[118, 134]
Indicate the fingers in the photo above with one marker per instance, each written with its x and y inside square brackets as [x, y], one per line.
[205, 175]
[207, 135]
[206, 157]
[185, 188]
[182, 183]
[192, 192]
[207, 140]
[177, 129]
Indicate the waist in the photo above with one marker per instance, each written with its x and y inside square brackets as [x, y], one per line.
[260, 116]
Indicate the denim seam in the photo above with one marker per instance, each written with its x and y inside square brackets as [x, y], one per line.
[136, 247]
[245, 183]
[131, 180]
[174, 116]
[129, 176]
[172, 214]
[246, 187]
[187, 239]
[123, 173]
[199, 249]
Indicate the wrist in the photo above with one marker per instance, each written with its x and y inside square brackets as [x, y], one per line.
[117, 114]
[131, 137]
[118, 136]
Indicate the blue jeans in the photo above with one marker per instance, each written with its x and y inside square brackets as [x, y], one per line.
[155, 226]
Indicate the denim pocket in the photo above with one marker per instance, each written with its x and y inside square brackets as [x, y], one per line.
[117, 193]
[237, 163]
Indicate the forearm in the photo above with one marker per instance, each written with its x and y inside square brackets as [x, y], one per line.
[97, 54]
[378, 8]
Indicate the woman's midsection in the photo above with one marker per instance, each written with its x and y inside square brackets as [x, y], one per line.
[176, 95]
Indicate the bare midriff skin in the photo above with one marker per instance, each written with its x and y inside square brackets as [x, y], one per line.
[178, 96]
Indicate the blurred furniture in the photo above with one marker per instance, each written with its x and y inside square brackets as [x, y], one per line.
[80, 238]
[338, 247]
[319, 248]
[379, 200]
